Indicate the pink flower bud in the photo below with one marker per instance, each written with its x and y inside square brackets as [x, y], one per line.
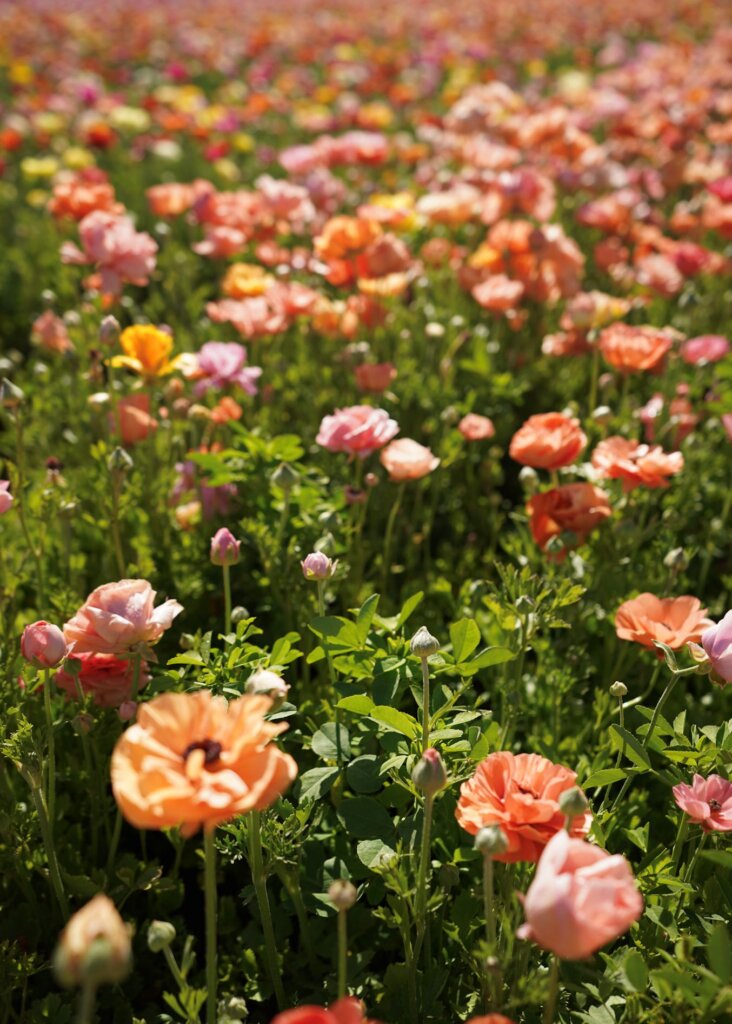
[43, 645]
[225, 548]
[429, 775]
[6, 498]
[317, 566]
[127, 710]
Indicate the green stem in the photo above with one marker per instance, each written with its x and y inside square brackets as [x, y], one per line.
[425, 705]
[256, 864]
[51, 766]
[649, 735]
[53, 868]
[331, 676]
[114, 843]
[488, 903]
[174, 969]
[423, 875]
[114, 523]
[136, 664]
[679, 842]
[551, 1003]
[227, 598]
[695, 858]
[209, 847]
[388, 537]
[342, 953]
[86, 1003]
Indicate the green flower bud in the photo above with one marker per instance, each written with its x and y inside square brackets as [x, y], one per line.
[160, 934]
[618, 689]
[342, 894]
[285, 477]
[423, 643]
[491, 841]
[429, 775]
[119, 461]
[573, 802]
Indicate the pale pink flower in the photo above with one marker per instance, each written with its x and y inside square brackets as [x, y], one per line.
[357, 430]
[49, 333]
[6, 498]
[43, 644]
[111, 244]
[406, 459]
[708, 802]
[707, 348]
[220, 364]
[119, 618]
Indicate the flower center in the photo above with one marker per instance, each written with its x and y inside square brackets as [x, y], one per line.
[715, 805]
[211, 751]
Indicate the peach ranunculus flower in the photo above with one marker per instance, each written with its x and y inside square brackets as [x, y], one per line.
[617, 458]
[243, 280]
[673, 620]
[521, 794]
[548, 441]
[576, 508]
[109, 680]
[357, 430]
[146, 351]
[405, 459]
[348, 1010]
[581, 898]
[374, 377]
[49, 333]
[132, 418]
[195, 759]
[120, 618]
[475, 427]
[498, 293]
[630, 349]
[708, 802]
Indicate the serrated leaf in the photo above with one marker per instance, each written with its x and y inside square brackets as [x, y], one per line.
[634, 967]
[374, 853]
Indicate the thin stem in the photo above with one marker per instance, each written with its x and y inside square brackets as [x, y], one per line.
[551, 1003]
[488, 903]
[331, 676]
[423, 875]
[227, 598]
[53, 868]
[342, 953]
[256, 864]
[679, 842]
[114, 523]
[114, 843]
[695, 858]
[209, 847]
[388, 537]
[51, 766]
[86, 1003]
[174, 969]
[136, 663]
[425, 705]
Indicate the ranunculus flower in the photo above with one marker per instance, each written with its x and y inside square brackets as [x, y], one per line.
[491, 1018]
[630, 349]
[707, 348]
[225, 547]
[110, 242]
[498, 293]
[49, 333]
[547, 441]
[406, 459]
[357, 430]
[581, 898]
[94, 947]
[474, 427]
[344, 1011]
[717, 644]
[107, 678]
[118, 618]
[708, 802]
[578, 508]
[195, 759]
[222, 364]
[43, 644]
[521, 794]
[617, 458]
[6, 498]
[317, 566]
[374, 377]
[133, 418]
[672, 620]
[146, 351]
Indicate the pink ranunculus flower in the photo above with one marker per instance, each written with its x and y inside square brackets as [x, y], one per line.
[708, 802]
[475, 427]
[707, 348]
[6, 498]
[222, 364]
[43, 644]
[581, 898]
[225, 548]
[406, 459]
[111, 244]
[108, 679]
[49, 333]
[717, 644]
[120, 618]
[357, 430]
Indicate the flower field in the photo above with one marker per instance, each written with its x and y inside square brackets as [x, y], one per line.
[365, 493]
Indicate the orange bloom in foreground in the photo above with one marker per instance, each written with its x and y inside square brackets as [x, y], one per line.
[521, 794]
[547, 441]
[635, 464]
[629, 348]
[673, 620]
[193, 759]
[146, 351]
[578, 508]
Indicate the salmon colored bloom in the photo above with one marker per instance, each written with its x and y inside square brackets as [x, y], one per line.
[491, 1018]
[521, 794]
[119, 252]
[406, 459]
[672, 620]
[474, 427]
[581, 898]
[344, 236]
[498, 293]
[146, 351]
[78, 197]
[134, 419]
[575, 508]
[708, 802]
[108, 679]
[547, 441]
[118, 618]
[617, 458]
[357, 430]
[195, 759]
[374, 377]
[49, 333]
[630, 349]
[344, 1011]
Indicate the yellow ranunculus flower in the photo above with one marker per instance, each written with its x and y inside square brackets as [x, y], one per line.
[146, 351]
[244, 280]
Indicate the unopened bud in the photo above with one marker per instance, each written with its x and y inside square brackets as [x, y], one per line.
[238, 614]
[618, 689]
[268, 684]
[529, 479]
[573, 802]
[119, 461]
[317, 566]
[94, 947]
[285, 477]
[423, 643]
[10, 395]
[429, 775]
[491, 841]
[225, 548]
[109, 331]
[602, 414]
[342, 894]
[160, 934]
[676, 559]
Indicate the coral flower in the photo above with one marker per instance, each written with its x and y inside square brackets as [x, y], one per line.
[121, 254]
[475, 427]
[49, 333]
[547, 441]
[617, 458]
[344, 1011]
[194, 759]
[581, 898]
[630, 349]
[374, 377]
[708, 802]
[575, 508]
[146, 351]
[109, 680]
[673, 620]
[521, 794]
[118, 618]
[406, 459]
[357, 430]
[134, 419]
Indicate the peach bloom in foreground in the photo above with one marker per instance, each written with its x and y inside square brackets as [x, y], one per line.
[111, 244]
[43, 644]
[345, 1011]
[708, 802]
[406, 459]
[630, 349]
[132, 417]
[673, 620]
[617, 458]
[146, 351]
[194, 759]
[519, 792]
[49, 333]
[109, 680]
[357, 430]
[118, 618]
[77, 197]
[573, 508]
[581, 898]
[474, 427]
[94, 946]
[548, 441]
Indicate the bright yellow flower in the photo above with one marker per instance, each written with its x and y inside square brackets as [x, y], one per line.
[146, 351]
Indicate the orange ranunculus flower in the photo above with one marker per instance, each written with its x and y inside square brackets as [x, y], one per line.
[132, 419]
[547, 441]
[617, 458]
[146, 351]
[521, 794]
[342, 236]
[242, 280]
[194, 759]
[578, 508]
[630, 349]
[673, 620]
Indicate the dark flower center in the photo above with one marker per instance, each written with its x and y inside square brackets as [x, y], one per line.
[715, 805]
[211, 750]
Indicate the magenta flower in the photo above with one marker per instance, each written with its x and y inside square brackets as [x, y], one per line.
[708, 802]
[223, 364]
[717, 644]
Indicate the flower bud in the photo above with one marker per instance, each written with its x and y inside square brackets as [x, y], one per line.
[160, 934]
[239, 614]
[119, 461]
[235, 1008]
[676, 559]
[602, 414]
[529, 479]
[43, 644]
[268, 683]
[423, 643]
[573, 802]
[225, 548]
[342, 894]
[429, 775]
[94, 947]
[491, 841]
[127, 710]
[317, 566]
[109, 331]
[618, 689]
[285, 477]
[10, 395]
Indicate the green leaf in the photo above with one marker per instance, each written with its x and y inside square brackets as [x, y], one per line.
[490, 656]
[605, 777]
[365, 818]
[325, 743]
[365, 616]
[374, 853]
[721, 857]
[409, 607]
[635, 970]
[719, 953]
[668, 655]
[465, 637]
[633, 748]
[395, 720]
[315, 783]
[357, 704]
[363, 774]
